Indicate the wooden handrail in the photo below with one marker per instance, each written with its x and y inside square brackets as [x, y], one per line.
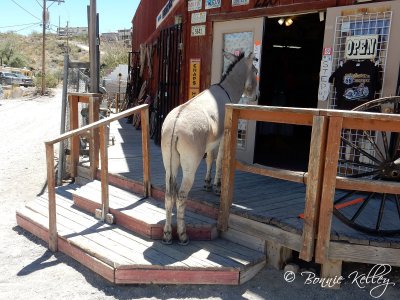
[321, 178]
[97, 124]
[101, 124]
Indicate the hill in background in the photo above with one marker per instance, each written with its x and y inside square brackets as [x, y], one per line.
[26, 51]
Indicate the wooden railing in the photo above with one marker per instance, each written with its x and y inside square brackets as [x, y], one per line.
[321, 177]
[103, 140]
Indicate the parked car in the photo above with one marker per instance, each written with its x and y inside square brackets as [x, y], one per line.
[10, 78]
[26, 80]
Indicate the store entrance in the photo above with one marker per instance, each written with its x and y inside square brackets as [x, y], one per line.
[291, 57]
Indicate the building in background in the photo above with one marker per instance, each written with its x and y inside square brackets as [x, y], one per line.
[299, 43]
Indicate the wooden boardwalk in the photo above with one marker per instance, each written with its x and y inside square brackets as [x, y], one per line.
[263, 199]
[125, 257]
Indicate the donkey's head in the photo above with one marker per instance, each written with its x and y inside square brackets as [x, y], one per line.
[244, 73]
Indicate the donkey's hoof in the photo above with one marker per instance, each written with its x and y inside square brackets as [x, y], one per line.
[217, 189]
[166, 242]
[167, 238]
[183, 239]
[207, 185]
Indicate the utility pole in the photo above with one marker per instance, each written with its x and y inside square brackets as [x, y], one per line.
[44, 49]
[44, 20]
[93, 48]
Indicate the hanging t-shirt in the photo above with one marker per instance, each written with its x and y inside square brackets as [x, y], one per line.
[355, 83]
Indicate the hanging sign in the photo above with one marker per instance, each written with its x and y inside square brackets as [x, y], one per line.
[361, 46]
[213, 4]
[324, 74]
[194, 77]
[194, 5]
[199, 17]
[165, 11]
[198, 30]
[239, 2]
[257, 55]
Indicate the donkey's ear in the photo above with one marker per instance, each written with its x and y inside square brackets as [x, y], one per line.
[231, 57]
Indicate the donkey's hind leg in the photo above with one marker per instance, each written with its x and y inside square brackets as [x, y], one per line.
[189, 167]
[170, 199]
[209, 161]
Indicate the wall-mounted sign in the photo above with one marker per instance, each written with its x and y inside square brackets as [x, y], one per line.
[198, 30]
[361, 46]
[194, 77]
[199, 17]
[257, 55]
[239, 2]
[213, 4]
[194, 5]
[324, 74]
[165, 11]
[265, 3]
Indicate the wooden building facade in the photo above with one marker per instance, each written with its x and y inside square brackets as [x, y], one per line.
[299, 43]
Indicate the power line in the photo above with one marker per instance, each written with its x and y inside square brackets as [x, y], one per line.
[39, 3]
[18, 25]
[26, 10]
[36, 24]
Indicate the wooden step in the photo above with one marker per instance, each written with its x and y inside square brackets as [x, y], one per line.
[143, 216]
[123, 257]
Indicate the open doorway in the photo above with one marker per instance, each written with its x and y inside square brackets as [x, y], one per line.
[291, 57]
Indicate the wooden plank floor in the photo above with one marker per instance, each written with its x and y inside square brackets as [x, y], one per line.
[124, 257]
[259, 198]
[142, 215]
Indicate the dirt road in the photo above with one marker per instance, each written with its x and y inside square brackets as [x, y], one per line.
[29, 271]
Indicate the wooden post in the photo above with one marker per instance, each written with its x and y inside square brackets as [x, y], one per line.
[74, 155]
[53, 237]
[144, 114]
[332, 269]
[277, 255]
[328, 188]
[228, 166]
[94, 108]
[104, 172]
[314, 185]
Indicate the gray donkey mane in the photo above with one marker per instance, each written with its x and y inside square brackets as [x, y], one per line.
[231, 66]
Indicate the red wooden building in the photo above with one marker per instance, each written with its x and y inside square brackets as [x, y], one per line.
[299, 43]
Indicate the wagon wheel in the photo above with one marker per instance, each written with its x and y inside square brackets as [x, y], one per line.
[370, 155]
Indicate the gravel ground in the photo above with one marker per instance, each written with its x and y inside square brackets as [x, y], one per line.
[29, 271]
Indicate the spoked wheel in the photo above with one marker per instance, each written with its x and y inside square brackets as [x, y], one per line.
[371, 155]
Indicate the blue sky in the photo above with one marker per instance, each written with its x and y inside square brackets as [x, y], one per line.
[24, 16]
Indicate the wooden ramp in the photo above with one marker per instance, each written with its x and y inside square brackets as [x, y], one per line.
[124, 257]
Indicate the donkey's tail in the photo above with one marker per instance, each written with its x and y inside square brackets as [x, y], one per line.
[171, 159]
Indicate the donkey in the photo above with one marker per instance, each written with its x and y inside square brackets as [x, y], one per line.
[195, 128]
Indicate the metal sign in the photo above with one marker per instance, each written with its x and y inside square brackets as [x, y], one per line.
[324, 74]
[194, 77]
[165, 11]
[194, 5]
[213, 4]
[199, 17]
[198, 30]
[239, 2]
[361, 46]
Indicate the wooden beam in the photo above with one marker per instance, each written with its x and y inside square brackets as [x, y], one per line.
[73, 125]
[228, 166]
[328, 188]
[368, 185]
[295, 176]
[144, 114]
[94, 110]
[284, 117]
[314, 186]
[104, 172]
[53, 236]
